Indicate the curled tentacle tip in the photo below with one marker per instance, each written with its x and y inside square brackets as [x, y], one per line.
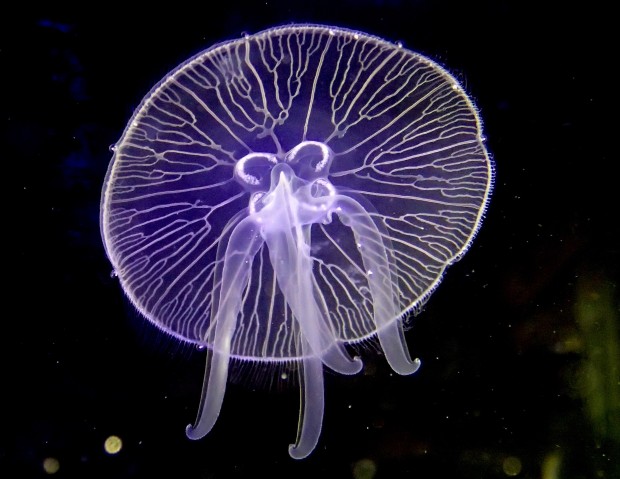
[293, 451]
[357, 364]
[407, 367]
[416, 364]
[190, 432]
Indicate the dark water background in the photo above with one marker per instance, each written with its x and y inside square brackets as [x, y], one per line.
[519, 344]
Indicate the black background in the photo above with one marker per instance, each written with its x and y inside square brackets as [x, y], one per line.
[503, 342]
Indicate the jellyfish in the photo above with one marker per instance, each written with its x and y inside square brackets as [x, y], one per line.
[283, 196]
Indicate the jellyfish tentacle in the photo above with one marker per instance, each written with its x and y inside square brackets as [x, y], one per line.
[394, 345]
[244, 243]
[288, 241]
[376, 262]
[292, 265]
[336, 357]
[312, 405]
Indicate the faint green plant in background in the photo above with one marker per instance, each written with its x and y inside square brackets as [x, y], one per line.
[596, 313]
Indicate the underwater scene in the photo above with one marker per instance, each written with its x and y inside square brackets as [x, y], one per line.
[351, 239]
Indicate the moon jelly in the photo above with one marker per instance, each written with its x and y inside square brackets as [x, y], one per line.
[283, 195]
